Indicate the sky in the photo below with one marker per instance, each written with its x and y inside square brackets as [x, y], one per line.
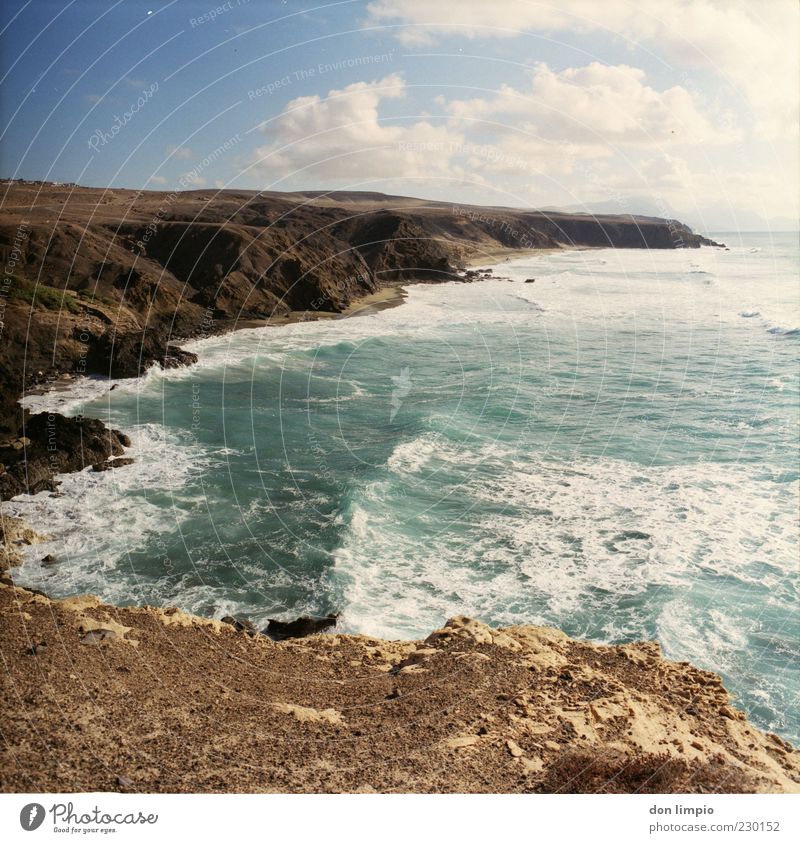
[685, 108]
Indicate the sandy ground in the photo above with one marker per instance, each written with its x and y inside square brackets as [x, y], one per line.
[99, 698]
[372, 303]
[495, 256]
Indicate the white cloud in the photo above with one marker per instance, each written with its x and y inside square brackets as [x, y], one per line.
[560, 119]
[586, 133]
[157, 180]
[595, 105]
[752, 46]
[192, 177]
[343, 136]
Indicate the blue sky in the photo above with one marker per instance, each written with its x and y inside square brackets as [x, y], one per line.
[688, 107]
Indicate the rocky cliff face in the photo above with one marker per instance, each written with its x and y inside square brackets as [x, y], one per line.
[106, 281]
[143, 699]
[52, 444]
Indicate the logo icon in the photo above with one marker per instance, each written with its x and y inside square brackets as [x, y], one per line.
[31, 816]
[402, 387]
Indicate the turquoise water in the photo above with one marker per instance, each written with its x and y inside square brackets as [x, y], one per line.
[612, 450]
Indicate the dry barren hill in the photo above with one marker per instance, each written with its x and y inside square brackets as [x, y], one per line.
[102, 281]
[101, 698]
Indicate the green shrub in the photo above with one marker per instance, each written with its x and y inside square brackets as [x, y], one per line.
[42, 295]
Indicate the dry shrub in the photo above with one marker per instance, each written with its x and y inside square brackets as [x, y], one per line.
[615, 772]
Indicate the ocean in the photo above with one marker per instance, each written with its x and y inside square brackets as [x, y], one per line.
[612, 450]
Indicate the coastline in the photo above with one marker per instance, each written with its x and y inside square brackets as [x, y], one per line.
[518, 750]
[495, 256]
[139, 699]
[387, 297]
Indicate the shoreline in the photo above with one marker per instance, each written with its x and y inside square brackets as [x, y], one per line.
[383, 299]
[470, 708]
[471, 686]
[498, 256]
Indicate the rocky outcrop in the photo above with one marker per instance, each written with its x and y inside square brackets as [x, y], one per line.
[111, 282]
[51, 444]
[107, 465]
[130, 354]
[175, 703]
[299, 628]
[15, 534]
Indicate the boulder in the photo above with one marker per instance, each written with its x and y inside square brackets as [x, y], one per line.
[54, 445]
[240, 625]
[118, 462]
[299, 628]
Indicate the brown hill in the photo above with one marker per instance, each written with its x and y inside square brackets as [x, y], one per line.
[106, 281]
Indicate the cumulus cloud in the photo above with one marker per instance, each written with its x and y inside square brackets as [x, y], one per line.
[344, 137]
[596, 131]
[596, 104]
[751, 46]
[560, 120]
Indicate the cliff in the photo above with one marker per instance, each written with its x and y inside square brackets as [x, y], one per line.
[98, 698]
[108, 281]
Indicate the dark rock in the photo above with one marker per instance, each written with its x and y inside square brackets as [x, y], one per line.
[131, 355]
[241, 625]
[37, 649]
[56, 445]
[49, 559]
[124, 439]
[530, 280]
[299, 628]
[105, 465]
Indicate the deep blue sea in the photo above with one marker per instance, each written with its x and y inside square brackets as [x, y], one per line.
[612, 450]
